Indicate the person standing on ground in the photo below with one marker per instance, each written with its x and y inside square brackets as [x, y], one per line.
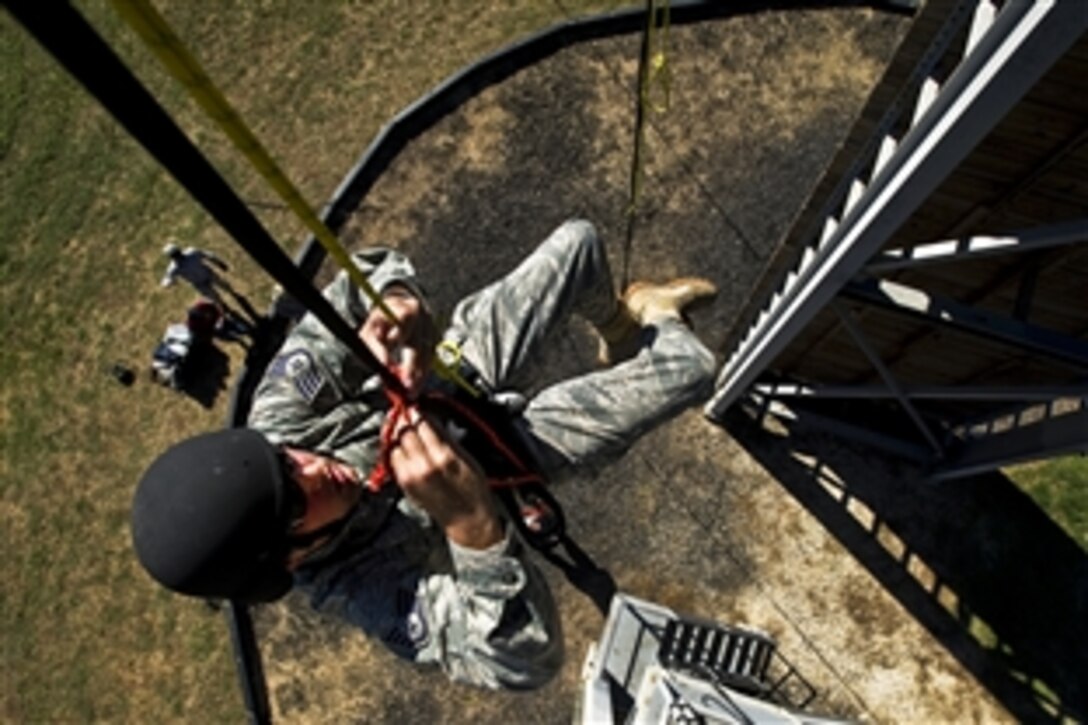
[195, 266]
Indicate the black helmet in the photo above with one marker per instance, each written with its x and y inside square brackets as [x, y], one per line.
[210, 518]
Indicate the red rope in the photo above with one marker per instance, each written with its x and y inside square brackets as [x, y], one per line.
[398, 409]
[382, 472]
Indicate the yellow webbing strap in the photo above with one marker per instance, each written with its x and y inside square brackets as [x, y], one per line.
[165, 44]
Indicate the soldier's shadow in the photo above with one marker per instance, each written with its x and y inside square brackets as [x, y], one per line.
[205, 373]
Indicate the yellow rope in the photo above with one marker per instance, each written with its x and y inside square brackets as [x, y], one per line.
[656, 75]
[165, 44]
[653, 72]
[659, 74]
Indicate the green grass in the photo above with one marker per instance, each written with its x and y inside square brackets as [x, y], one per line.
[83, 214]
[1060, 487]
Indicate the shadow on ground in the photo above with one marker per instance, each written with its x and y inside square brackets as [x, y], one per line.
[975, 560]
[204, 375]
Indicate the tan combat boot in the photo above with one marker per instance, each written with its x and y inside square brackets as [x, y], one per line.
[643, 304]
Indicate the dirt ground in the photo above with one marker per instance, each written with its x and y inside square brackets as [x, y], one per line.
[848, 559]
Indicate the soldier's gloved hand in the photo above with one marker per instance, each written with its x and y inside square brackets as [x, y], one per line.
[445, 481]
[405, 348]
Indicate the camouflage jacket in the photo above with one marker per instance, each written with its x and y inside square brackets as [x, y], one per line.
[487, 617]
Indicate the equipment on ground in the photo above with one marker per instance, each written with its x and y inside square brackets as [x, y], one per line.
[176, 356]
[168, 360]
[654, 666]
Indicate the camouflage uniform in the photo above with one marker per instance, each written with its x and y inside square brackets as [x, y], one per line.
[486, 616]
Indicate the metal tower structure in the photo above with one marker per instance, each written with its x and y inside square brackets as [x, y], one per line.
[932, 297]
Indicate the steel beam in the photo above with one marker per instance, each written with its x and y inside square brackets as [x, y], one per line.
[1023, 42]
[1054, 436]
[968, 393]
[938, 310]
[950, 250]
[886, 375]
[837, 426]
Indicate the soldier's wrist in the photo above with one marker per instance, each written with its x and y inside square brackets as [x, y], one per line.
[481, 531]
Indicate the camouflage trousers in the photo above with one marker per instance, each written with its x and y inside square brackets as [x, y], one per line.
[595, 417]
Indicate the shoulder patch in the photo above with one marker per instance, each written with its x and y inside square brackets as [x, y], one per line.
[299, 367]
[408, 633]
[416, 624]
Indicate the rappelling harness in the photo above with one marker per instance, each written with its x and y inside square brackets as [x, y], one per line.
[485, 429]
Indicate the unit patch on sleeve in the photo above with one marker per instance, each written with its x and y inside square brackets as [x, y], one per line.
[299, 367]
[407, 632]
